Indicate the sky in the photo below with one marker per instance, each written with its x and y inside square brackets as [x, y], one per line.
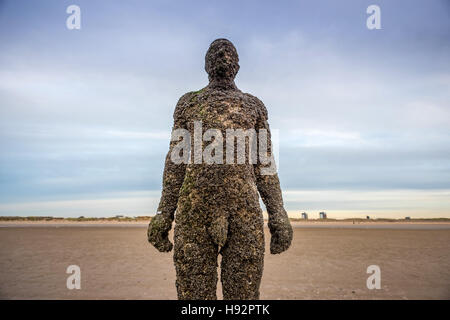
[363, 115]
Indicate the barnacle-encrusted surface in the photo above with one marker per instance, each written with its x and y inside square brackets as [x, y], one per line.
[217, 205]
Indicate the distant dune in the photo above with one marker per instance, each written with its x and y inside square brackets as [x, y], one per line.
[146, 219]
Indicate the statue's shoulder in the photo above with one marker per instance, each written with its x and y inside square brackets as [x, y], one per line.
[181, 106]
[186, 98]
[185, 102]
[256, 103]
[191, 96]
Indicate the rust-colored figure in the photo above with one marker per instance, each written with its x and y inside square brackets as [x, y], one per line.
[217, 205]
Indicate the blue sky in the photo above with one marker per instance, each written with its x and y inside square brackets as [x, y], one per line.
[363, 115]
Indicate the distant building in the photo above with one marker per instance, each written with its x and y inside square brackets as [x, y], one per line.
[120, 217]
[322, 215]
[407, 218]
[304, 215]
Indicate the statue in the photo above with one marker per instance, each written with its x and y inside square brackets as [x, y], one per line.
[217, 204]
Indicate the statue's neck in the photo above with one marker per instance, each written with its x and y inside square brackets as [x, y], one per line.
[222, 84]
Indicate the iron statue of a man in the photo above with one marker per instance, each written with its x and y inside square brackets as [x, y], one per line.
[217, 204]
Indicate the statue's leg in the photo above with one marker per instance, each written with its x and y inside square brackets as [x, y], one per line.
[195, 258]
[243, 256]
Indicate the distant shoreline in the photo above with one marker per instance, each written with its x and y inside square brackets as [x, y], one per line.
[358, 223]
[142, 219]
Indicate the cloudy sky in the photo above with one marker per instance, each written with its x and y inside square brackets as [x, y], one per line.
[363, 115]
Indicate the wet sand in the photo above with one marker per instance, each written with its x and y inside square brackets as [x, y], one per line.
[326, 261]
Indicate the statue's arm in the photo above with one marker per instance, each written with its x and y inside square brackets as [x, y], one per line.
[173, 178]
[268, 186]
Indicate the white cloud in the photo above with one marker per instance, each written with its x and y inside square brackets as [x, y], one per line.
[129, 203]
[95, 108]
[377, 203]
[337, 203]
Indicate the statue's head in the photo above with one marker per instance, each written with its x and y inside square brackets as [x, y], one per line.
[221, 60]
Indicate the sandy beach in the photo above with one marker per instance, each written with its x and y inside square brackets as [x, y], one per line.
[326, 261]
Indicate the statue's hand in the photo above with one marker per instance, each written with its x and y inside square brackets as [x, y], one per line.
[158, 232]
[281, 231]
